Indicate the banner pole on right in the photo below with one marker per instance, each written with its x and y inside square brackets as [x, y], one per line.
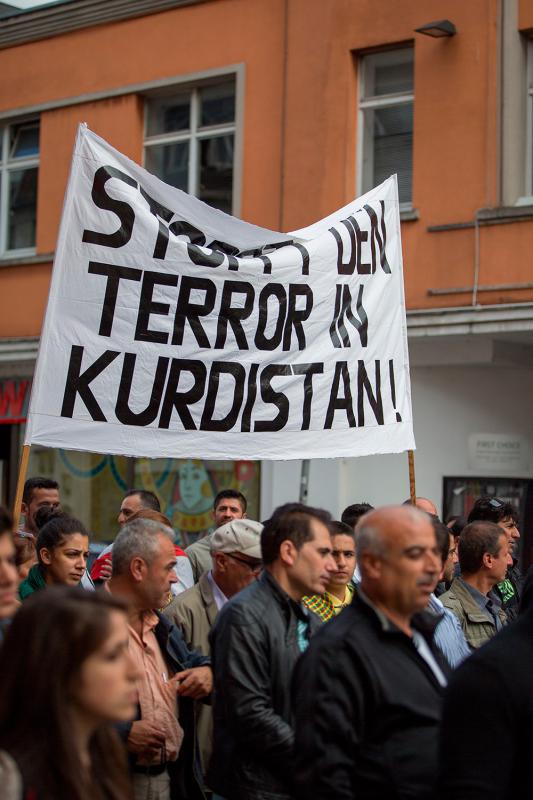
[20, 484]
[412, 485]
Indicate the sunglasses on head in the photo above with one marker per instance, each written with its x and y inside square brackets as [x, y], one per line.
[495, 503]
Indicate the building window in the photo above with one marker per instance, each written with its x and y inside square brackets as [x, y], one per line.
[386, 120]
[529, 156]
[190, 138]
[19, 168]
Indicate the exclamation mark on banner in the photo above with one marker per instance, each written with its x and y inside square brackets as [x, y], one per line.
[393, 389]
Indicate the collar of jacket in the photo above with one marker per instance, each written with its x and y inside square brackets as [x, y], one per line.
[162, 632]
[471, 609]
[287, 604]
[36, 578]
[208, 599]
[423, 621]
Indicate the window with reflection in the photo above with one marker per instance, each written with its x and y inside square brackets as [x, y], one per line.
[19, 168]
[189, 140]
[386, 120]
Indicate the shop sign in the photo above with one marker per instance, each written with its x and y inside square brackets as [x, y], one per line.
[498, 453]
[14, 399]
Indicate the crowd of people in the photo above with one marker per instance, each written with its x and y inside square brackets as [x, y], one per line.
[382, 655]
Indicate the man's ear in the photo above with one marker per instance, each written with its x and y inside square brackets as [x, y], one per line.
[288, 552]
[45, 555]
[138, 568]
[487, 560]
[371, 565]
[220, 561]
[24, 508]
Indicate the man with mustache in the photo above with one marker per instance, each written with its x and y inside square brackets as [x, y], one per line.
[367, 693]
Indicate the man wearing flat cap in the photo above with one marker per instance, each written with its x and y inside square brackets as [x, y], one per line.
[236, 556]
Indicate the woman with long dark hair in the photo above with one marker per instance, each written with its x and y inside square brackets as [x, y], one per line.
[62, 550]
[66, 676]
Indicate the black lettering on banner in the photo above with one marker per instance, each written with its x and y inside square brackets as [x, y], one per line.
[334, 336]
[357, 238]
[114, 275]
[147, 307]
[123, 210]
[278, 399]
[260, 253]
[376, 237]
[305, 257]
[296, 317]
[212, 259]
[219, 368]
[229, 251]
[374, 398]
[277, 291]
[78, 382]
[160, 213]
[393, 389]
[360, 238]
[267, 265]
[123, 411]
[343, 308]
[234, 314]
[340, 402]
[182, 400]
[309, 370]
[190, 311]
[182, 228]
[251, 394]
[348, 267]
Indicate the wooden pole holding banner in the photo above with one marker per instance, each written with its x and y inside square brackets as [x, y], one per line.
[412, 485]
[23, 469]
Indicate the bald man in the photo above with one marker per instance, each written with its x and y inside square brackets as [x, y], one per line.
[367, 693]
[424, 505]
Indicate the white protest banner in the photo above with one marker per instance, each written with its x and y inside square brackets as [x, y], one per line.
[175, 330]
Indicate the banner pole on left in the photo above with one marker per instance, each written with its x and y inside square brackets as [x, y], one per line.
[20, 484]
[412, 485]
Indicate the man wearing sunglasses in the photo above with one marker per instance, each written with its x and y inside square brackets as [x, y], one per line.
[490, 509]
[236, 558]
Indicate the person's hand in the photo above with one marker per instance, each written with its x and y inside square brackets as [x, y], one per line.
[106, 570]
[196, 683]
[145, 739]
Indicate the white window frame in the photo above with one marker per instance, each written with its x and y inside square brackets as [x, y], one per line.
[8, 165]
[364, 152]
[195, 134]
[527, 199]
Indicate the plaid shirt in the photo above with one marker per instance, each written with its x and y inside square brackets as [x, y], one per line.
[323, 605]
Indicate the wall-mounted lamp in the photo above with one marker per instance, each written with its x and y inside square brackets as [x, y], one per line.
[443, 27]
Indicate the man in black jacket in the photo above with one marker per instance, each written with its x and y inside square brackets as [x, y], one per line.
[487, 720]
[256, 640]
[367, 693]
[162, 741]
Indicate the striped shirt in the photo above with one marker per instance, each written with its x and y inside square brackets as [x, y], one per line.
[449, 636]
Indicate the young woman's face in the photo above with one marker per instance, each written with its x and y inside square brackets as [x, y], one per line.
[105, 690]
[66, 562]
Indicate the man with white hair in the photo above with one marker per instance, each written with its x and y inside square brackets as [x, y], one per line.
[367, 692]
[236, 555]
[162, 741]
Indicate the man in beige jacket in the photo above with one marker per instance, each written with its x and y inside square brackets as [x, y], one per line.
[236, 559]
[483, 558]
